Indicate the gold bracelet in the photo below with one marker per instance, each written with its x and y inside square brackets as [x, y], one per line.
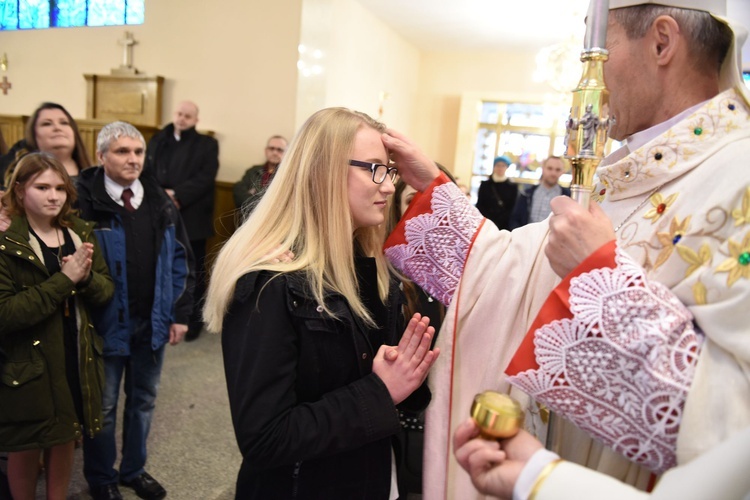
[542, 476]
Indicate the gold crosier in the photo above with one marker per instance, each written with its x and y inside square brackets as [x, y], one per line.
[587, 131]
[497, 415]
[588, 124]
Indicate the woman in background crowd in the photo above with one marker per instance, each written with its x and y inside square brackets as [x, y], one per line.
[497, 194]
[51, 271]
[52, 130]
[313, 384]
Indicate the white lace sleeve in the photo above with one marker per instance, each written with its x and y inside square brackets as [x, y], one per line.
[438, 243]
[621, 368]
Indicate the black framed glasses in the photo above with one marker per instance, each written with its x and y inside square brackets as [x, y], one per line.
[379, 171]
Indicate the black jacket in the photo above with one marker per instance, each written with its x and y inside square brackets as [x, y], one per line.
[248, 191]
[193, 182]
[495, 201]
[312, 421]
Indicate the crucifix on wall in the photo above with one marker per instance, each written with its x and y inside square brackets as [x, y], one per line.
[5, 85]
[126, 67]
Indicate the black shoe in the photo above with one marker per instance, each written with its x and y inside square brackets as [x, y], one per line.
[105, 492]
[194, 330]
[146, 487]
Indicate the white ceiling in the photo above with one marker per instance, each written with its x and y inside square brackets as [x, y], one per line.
[457, 25]
[461, 25]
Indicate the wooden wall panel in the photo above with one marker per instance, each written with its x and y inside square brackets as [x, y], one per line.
[13, 128]
[225, 219]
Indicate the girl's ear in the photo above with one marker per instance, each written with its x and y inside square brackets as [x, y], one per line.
[18, 190]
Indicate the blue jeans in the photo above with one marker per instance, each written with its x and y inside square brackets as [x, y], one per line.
[142, 370]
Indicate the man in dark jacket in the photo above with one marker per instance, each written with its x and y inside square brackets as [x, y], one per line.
[147, 250]
[532, 205]
[185, 164]
[249, 190]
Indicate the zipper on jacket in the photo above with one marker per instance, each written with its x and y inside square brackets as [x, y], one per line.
[295, 478]
[39, 264]
[39, 348]
[25, 245]
[84, 367]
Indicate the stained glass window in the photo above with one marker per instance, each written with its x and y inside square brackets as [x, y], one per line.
[35, 14]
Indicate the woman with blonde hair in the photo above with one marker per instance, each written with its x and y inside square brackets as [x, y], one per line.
[51, 273]
[313, 384]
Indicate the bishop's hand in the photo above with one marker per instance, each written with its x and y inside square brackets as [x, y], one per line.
[575, 233]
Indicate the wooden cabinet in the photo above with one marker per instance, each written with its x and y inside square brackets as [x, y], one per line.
[136, 99]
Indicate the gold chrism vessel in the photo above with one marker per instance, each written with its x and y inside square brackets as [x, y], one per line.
[497, 415]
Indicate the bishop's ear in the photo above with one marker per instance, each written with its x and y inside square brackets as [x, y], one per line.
[665, 37]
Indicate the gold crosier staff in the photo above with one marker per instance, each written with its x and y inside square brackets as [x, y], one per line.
[587, 127]
[497, 415]
[588, 124]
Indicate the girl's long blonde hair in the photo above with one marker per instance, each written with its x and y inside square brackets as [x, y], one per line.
[305, 210]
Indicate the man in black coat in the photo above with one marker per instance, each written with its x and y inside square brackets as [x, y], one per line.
[185, 164]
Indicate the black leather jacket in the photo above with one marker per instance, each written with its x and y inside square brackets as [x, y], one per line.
[311, 419]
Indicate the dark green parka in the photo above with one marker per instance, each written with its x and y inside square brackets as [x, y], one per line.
[36, 407]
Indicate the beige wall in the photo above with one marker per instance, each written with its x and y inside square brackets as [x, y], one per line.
[239, 65]
[361, 58]
[445, 79]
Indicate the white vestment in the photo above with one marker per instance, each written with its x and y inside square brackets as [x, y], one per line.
[719, 473]
[684, 198]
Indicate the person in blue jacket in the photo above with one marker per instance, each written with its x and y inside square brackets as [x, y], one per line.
[148, 251]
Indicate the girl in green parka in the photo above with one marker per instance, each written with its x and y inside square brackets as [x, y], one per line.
[51, 272]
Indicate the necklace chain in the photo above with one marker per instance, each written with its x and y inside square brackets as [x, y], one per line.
[640, 205]
[59, 248]
[67, 302]
[59, 255]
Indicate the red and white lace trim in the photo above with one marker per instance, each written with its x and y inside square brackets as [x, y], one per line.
[619, 369]
[437, 243]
